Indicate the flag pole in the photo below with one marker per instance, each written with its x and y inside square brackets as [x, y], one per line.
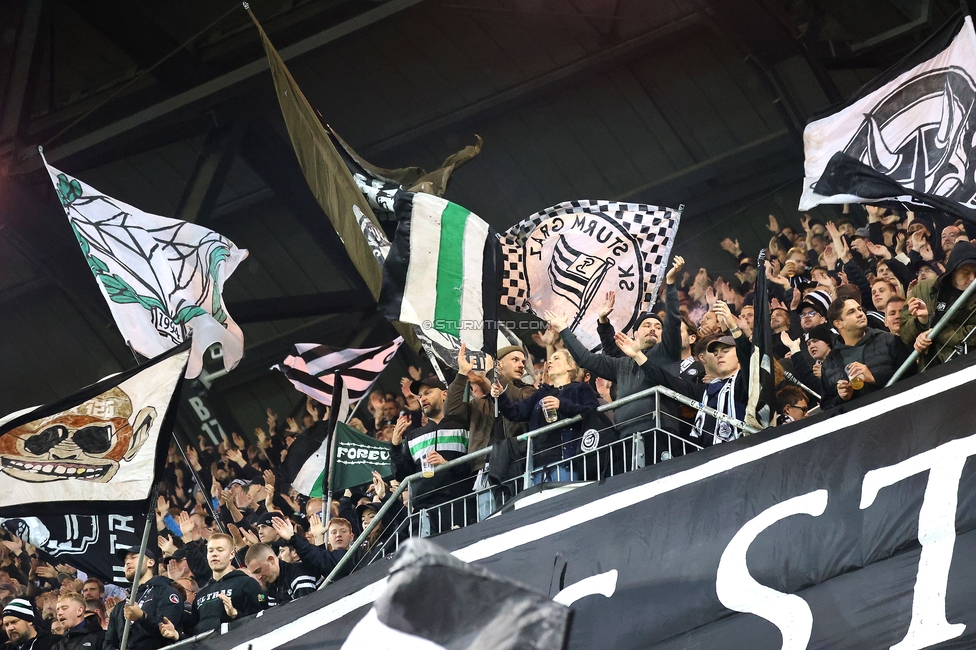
[142, 558]
[333, 419]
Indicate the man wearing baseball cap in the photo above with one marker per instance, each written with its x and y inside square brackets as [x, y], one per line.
[18, 623]
[156, 599]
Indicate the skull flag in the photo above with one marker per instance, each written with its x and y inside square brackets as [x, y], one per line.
[97, 451]
[908, 136]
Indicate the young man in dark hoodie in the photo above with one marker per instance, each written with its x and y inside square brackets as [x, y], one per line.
[156, 599]
[232, 594]
[283, 582]
[80, 632]
[19, 623]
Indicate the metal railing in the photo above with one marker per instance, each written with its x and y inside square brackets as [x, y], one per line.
[636, 461]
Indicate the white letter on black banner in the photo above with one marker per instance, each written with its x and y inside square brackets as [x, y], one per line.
[936, 534]
[740, 592]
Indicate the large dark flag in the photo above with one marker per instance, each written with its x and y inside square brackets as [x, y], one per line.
[914, 126]
[443, 271]
[77, 476]
[565, 258]
[434, 601]
[762, 383]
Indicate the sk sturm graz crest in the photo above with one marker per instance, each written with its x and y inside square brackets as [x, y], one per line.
[85, 443]
[567, 257]
[921, 135]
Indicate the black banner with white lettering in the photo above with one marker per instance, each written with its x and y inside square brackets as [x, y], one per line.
[854, 529]
[86, 542]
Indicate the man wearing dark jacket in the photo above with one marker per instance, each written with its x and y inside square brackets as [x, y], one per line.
[861, 356]
[19, 619]
[81, 633]
[156, 599]
[317, 561]
[282, 582]
[232, 594]
[648, 331]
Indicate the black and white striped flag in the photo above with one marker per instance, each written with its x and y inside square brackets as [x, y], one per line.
[312, 368]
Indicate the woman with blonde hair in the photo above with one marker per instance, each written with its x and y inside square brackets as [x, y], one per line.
[564, 396]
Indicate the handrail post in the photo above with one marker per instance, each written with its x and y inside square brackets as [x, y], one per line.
[527, 480]
[931, 333]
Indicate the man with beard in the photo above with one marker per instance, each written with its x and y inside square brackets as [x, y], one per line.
[282, 582]
[637, 416]
[156, 599]
[230, 595]
[80, 633]
[440, 440]
[19, 620]
[862, 359]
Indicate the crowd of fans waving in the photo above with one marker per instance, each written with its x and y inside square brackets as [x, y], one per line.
[848, 301]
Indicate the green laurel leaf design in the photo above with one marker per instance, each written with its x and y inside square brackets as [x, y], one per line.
[188, 313]
[69, 189]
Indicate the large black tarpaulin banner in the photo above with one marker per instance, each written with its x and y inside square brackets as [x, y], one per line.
[854, 529]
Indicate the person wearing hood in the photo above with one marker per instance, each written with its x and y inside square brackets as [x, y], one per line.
[862, 359]
[232, 594]
[931, 298]
[80, 632]
[156, 599]
[20, 625]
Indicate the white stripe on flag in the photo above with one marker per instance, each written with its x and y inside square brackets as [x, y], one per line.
[472, 302]
[373, 634]
[312, 469]
[420, 290]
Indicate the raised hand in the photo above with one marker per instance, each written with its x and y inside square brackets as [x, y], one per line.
[556, 321]
[724, 314]
[243, 500]
[399, 429]
[235, 456]
[238, 440]
[677, 264]
[710, 297]
[464, 366]
[284, 527]
[269, 480]
[414, 373]
[186, 526]
[292, 425]
[918, 309]
[272, 419]
[175, 570]
[773, 225]
[379, 485]
[166, 545]
[315, 525]
[731, 246]
[606, 307]
[626, 344]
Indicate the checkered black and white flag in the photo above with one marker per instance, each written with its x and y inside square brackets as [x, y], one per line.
[565, 258]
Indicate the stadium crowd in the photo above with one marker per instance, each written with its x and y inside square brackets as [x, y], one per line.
[848, 301]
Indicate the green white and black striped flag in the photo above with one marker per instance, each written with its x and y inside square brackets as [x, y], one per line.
[443, 271]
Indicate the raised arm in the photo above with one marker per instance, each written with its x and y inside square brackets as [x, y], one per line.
[599, 364]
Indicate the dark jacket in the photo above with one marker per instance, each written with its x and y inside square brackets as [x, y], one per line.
[574, 399]
[87, 636]
[449, 438]
[317, 561]
[196, 560]
[669, 349]
[158, 599]
[708, 393]
[635, 416]
[43, 640]
[245, 594]
[294, 581]
[881, 352]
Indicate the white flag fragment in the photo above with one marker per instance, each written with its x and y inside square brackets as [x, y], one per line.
[163, 278]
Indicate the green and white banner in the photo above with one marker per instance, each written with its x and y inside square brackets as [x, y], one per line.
[357, 456]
